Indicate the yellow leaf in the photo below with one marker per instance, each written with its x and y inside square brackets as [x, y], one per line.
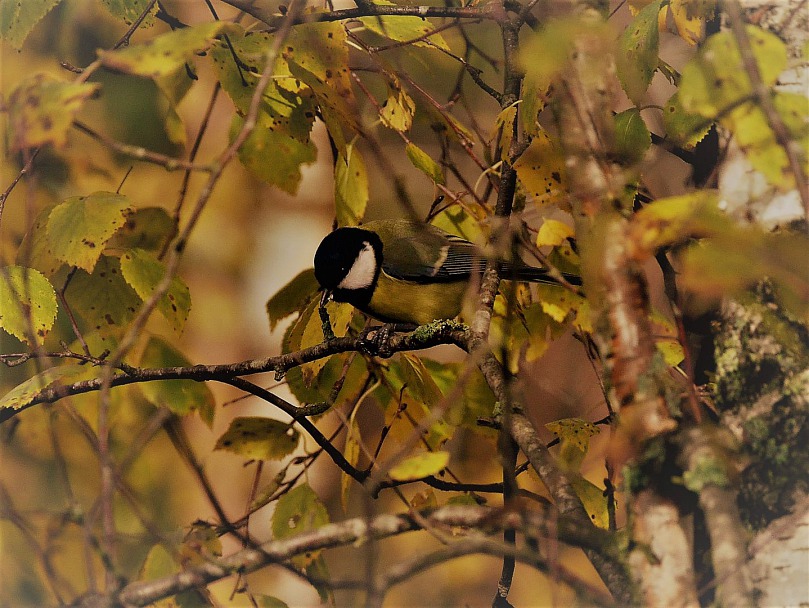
[541, 169]
[672, 351]
[553, 233]
[593, 499]
[351, 452]
[583, 319]
[41, 110]
[259, 438]
[558, 302]
[574, 430]
[397, 111]
[690, 23]
[340, 315]
[420, 466]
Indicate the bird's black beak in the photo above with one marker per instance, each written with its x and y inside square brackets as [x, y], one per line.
[325, 298]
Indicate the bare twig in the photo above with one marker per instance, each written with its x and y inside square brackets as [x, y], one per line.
[140, 153]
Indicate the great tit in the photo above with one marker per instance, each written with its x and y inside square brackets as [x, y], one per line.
[401, 271]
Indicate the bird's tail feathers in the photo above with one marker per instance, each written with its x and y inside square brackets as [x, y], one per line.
[533, 274]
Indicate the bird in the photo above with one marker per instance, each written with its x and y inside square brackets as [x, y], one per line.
[406, 272]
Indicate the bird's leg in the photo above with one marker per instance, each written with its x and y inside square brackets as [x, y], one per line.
[374, 340]
[325, 321]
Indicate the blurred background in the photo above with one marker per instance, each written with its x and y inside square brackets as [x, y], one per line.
[251, 240]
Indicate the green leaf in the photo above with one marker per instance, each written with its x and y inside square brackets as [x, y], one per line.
[398, 109]
[259, 438]
[351, 452]
[666, 340]
[27, 303]
[292, 297]
[460, 221]
[534, 98]
[392, 396]
[61, 375]
[671, 349]
[158, 563]
[41, 110]
[732, 261]
[129, 10]
[299, 510]
[267, 493]
[558, 302]
[317, 54]
[678, 218]
[79, 228]
[321, 50]
[103, 299]
[174, 87]
[755, 136]
[144, 272]
[274, 157]
[541, 170]
[403, 28]
[320, 390]
[317, 571]
[350, 186]
[717, 79]
[636, 59]
[35, 250]
[419, 380]
[542, 331]
[287, 105]
[340, 314]
[632, 137]
[180, 396]
[420, 466]
[145, 228]
[504, 123]
[545, 54]
[684, 127]
[167, 53]
[422, 161]
[574, 430]
[464, 500]
[794, 111]
[18, 18]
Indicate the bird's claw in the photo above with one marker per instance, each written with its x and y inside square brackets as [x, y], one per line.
[375, 341]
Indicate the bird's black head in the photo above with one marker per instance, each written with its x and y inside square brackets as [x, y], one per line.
[340, 251]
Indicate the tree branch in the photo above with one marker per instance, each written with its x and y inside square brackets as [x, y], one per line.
[352, 531]
[423, 337]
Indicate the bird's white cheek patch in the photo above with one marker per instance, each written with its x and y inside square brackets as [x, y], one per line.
[362, 272]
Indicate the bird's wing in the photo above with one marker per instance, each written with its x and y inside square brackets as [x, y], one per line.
[428, 257]
[422, 253]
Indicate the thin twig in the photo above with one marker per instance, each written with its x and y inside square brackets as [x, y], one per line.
[139, 153]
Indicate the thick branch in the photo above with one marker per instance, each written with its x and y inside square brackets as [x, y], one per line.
[347, 533]
[662, 560]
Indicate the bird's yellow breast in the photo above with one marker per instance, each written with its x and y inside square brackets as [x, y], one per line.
[406, 302]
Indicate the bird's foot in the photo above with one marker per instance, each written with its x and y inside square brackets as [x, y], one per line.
[375, 341]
